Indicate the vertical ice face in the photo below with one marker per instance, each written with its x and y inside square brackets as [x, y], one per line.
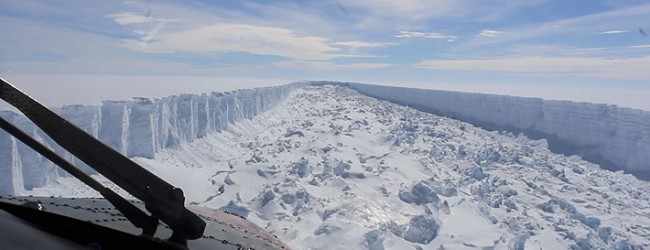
[22, 168]
[167, 133]
[186, 106]
[36, 170]
[203, 126]
[216, 111]
[9, 182]
[17, 181]
[114, 115]
[226, 106]
[247, 97]
[85, 117]
[141, 128]
[232, 107]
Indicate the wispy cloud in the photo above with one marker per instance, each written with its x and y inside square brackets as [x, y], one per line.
[325, 65]
[229, 37]
[431, 35]
[640, 46]
[397, 13]
[611, 32]
[489, 33]
[591, 49]
[590, 66]
[134, 18]
[360, 44]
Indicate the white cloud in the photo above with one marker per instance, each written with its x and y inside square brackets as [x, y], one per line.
[359, 44]
[489, 33]
[610, 32]
[591, 49]
[432, 35]
[130, 18]
[640, 46]
[592, 66]
[228, 37]
[133, 18]
[321, 65]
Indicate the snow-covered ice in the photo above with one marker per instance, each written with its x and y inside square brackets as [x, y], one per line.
[332, 169]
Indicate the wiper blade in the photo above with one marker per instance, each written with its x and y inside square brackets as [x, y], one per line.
[161, 199]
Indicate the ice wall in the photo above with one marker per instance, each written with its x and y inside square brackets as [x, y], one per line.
[137, 128]
[616, 138]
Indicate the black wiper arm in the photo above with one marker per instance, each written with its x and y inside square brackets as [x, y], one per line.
[161, 199]
[147, 223]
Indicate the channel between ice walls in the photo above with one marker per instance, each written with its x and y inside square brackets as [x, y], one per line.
[616, 138]
[137, 128]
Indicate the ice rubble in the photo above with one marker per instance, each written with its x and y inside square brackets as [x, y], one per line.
[368, 174]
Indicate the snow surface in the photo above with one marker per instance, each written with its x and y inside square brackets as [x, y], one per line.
[332, 169]
[616, 138]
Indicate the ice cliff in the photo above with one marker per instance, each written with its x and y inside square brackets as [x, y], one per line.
[137, 128]
[617, 138]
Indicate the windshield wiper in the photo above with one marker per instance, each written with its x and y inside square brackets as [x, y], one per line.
[161, 199]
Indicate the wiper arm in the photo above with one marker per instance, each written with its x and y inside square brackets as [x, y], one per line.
[161, 199]
[147, 223]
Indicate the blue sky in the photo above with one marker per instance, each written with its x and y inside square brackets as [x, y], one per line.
[585, 50]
